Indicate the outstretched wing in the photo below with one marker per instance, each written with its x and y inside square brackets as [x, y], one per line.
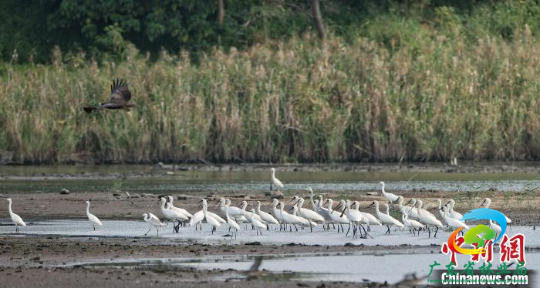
[120, 93]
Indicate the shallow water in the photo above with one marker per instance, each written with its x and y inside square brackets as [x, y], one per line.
[351, 267]
[98, 178]
[83, 228]
[415, 254]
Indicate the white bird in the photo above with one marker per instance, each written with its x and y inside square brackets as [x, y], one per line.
[336, 217]
[306, 213]
[275, 210]
[428, 218]
[153, 221]
[322, 211]
[313, 205]
[95, 221]
[412, 211]
[289, 218]
[249, 213]
[369, 218]
[234, 212]
[451, 212]
[172, 215]
[276, 181]
[232, 224]
[181, 210]
[496, 228]
[389, 196]
[355, 219]
[412, 224]
[453, 222]
[256, 223]
[386, 219]
[209, 219]
[17, 220]
[197, 219]
[305, 222]
[486, 204]
[439, 208]
[266, 217]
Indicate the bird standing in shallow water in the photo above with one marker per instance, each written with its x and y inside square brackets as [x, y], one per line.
[17, 220]
[95, 221]
[153, 221]
[120, 96]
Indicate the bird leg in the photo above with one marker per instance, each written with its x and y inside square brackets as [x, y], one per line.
[94, 226]
[157, 231]
[148, 231]
[436, 230]
[388, 231]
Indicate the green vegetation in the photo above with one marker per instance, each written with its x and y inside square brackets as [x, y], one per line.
[421, 81]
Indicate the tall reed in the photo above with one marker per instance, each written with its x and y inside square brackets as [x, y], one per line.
[283, 102]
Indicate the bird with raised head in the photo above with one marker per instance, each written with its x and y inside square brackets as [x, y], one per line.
[120, 96]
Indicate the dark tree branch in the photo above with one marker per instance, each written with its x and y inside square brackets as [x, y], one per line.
[221, 11]
[315, 9]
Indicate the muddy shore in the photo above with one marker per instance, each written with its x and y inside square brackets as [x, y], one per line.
[49, 261]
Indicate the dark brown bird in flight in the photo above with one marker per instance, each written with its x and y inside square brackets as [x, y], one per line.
[120, 96]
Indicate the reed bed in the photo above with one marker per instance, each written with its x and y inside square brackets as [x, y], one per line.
[291, 101]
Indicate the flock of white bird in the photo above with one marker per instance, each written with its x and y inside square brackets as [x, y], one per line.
[415, 217]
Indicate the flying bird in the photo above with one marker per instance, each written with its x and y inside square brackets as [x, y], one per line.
[120, 96]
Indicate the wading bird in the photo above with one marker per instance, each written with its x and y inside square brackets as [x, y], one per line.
[95, 221]
[153, 221]
[412, 224]
[266, 217]
[209, 219]
[386, 219]
[451, 212]
[453, 223]
[389, 196]
[428, 218]
[17, 220]
[335, 216]
[255, 222]
[120, 96]
[232, 224]
[174, 208]
[276, 181]
[172, 215]
[307, 213]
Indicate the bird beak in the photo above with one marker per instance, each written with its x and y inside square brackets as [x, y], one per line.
[372, 203]
[292, 200]
[343, 212]
[410, 201]
[447, 203]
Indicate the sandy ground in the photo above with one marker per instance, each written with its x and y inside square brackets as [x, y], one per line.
[39, 261]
